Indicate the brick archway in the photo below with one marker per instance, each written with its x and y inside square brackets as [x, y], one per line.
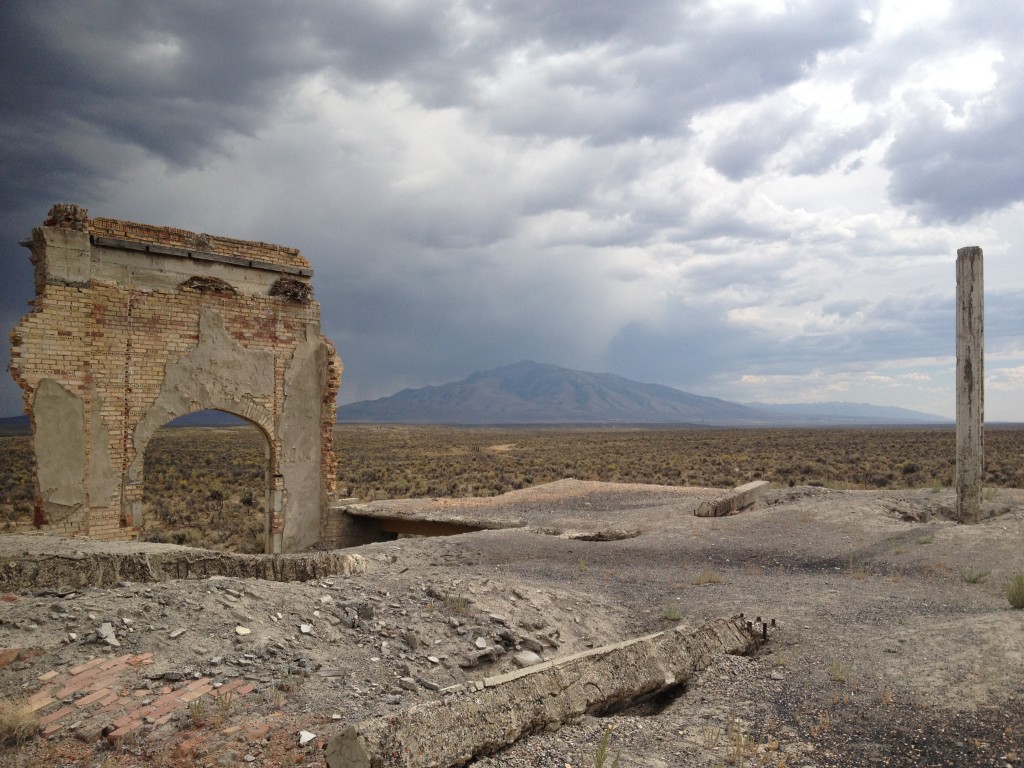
[135, 325]
[154, 463]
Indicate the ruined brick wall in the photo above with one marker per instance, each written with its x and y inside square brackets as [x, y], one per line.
[134, 325]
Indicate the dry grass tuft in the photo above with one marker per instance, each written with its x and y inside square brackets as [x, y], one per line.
[1015, 591]
[708, 576]
[18, 724]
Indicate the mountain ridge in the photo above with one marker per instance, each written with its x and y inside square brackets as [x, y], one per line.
[540, 393]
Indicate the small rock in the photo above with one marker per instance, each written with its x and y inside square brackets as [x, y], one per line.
[178, 633]
[305, 737]
[433, 659]
[107, 635]
[531, 645]
[306, 629]
[480, 643]
[240, 630]
[526, 659]
[408, 684]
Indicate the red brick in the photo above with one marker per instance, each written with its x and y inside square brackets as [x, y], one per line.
[228, 687]
[125, 719]
[198, 683]
[85, 701]
[87, 665]
[187, 747]
[109, 702]
[260, 732]
[43, 693]
[41, 703]
[193, 695]
[55, 716]
[8, 656]
[124, 730]
[51, 729]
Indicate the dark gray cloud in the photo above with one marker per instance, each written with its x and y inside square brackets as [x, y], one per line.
[485, 181]
[616, 86]
[743, 150]
[955, 172]
[959, 154]
[823, 150]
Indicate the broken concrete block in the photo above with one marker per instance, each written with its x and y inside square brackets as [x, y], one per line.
[738, 498]
[500, 710]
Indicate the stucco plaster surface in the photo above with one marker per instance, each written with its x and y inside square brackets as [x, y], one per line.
[60, 448]
[305, 379]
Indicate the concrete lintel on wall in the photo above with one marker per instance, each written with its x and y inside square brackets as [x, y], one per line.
[164, 250]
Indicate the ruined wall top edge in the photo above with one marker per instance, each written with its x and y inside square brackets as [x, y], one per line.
[71, 216]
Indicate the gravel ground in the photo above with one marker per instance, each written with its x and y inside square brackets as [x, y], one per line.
[895, 644]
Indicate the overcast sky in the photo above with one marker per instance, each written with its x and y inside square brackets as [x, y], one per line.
[747, 199]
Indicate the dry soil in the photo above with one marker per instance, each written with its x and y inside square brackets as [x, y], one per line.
[894, 641]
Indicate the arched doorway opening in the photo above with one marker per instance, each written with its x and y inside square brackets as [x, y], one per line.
[206, 483]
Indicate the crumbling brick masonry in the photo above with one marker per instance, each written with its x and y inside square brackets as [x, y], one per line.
[133, 326]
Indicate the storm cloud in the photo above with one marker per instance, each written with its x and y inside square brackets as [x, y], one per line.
[742, 199]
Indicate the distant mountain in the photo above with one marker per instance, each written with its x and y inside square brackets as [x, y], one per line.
[536, 393]
[20, 425]
[15, 425]
[849, 413]
[209, 418]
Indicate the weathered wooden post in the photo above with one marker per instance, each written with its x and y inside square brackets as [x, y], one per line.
[970, 383]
